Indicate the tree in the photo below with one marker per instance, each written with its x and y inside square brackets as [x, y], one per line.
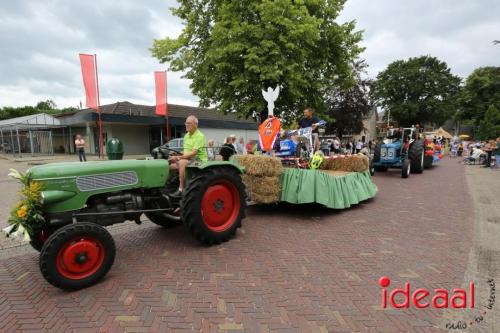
[418, 90]
[489, 127]
[348, 106]
[47, 106]
[231, 50]
[482, 89]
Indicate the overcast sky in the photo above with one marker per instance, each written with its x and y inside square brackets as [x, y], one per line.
[41, 41]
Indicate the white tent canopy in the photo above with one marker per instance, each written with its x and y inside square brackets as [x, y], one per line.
[34, 121]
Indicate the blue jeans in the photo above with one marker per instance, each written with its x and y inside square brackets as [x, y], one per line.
[81, 155]
[497, 160]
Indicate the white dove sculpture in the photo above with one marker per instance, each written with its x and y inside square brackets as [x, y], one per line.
[270, 96]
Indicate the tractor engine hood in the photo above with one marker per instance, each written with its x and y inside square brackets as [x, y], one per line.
[67, 186]
[146, 168]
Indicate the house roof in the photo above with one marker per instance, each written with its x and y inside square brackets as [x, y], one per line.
[40, 120]
[145, 114]
[174, 110]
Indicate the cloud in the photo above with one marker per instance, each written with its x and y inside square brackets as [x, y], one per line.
[457, 32]
[41, 41]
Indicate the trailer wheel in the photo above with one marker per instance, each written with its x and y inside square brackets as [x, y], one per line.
[77, 256]
[214, 205]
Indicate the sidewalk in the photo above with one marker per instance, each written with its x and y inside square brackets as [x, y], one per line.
[32, 160]
[484, 256]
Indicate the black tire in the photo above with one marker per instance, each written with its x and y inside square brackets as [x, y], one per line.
[219, 186]
[416, 156]
[405, 168]
[165, 219]
[372, 169]
[376, 153]
[40, 236]
[72, 243]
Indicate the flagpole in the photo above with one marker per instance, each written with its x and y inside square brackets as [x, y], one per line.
[166, 108]
[98, 109]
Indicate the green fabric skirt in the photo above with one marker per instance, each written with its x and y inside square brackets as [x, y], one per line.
[299, 186]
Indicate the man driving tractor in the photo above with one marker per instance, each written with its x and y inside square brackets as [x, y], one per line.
[194, 148]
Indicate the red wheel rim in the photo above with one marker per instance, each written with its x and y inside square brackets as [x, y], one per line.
[220, 206]
[80, 258]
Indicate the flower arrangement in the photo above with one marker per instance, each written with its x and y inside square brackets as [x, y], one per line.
[25, 215]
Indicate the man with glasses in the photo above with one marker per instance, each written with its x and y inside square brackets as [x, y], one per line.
[194, 148]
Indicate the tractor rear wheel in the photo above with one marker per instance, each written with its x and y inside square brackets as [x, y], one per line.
[77, 256]
[416, 156]
[214, 205]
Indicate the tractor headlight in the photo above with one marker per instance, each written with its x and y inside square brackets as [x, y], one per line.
[383, 152]
[391, 152]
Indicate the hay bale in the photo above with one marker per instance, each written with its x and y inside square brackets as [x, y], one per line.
[351, 163]
[259, 165]
[262, 189]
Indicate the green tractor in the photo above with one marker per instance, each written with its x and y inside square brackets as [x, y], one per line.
[80, 199]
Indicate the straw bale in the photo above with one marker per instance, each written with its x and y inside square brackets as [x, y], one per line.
[350, 163]
[259, 165]
[262, 189]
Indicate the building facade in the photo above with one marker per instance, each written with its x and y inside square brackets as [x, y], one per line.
[141, 130]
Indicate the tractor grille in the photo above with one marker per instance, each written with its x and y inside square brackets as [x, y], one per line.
[97, 182]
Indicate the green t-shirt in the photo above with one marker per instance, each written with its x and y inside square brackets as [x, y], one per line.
[196, 141]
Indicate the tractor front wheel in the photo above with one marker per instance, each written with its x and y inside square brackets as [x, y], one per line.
[214, 205]
[77, 256]
[405, 168]
[40, 237]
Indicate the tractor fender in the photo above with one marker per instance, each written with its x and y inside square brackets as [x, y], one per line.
[232, 163]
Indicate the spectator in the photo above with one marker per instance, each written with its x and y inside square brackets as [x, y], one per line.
[335, 145]
[211, 149]
[359, 145]
[240, 146]
[80, 148]
[227, 150]
[249, 147]
[488, 149]
[496, 152]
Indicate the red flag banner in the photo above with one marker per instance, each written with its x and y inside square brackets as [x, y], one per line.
[89, 74]
[161, 93]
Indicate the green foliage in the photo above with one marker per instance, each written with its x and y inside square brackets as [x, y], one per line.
[231, 50]
[418, 90]
[482, 89]
[47, 106]
[489, 127]
[348, 106]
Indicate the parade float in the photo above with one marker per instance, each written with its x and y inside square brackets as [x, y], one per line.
[433, 154]
[65, 207]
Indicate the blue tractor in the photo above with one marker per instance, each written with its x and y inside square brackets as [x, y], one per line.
[402, 148]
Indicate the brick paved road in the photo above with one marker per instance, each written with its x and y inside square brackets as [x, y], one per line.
[290, 269]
